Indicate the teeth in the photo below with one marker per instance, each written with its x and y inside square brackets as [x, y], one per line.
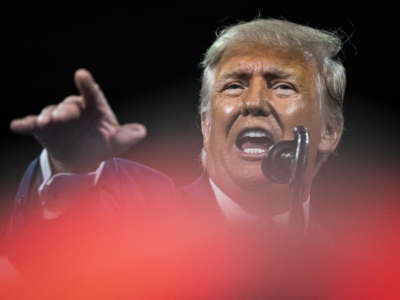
[254, 133]
[254, 150]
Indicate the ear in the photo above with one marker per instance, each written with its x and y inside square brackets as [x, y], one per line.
[205, 129]
[330, 137]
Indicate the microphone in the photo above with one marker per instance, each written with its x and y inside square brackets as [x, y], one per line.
[286, 163]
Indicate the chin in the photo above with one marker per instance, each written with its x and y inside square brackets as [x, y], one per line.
[250, 177]
[259, 195]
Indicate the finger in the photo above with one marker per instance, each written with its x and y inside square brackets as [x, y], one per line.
[24, 126]
[126, 136]
[74, 99]
[66, 111]
[45, 116]
[89, 89]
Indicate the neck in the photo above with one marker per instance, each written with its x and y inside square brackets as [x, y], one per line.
[266, 200]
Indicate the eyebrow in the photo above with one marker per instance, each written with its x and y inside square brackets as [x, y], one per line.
[247, 72]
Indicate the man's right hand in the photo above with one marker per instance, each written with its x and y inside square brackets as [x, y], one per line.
[80, 131]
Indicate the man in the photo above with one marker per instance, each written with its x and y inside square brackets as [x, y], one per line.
[260, 80]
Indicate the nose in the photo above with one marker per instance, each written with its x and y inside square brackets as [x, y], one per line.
[255, 101]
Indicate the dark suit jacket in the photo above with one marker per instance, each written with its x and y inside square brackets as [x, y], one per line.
[124, 190]
[127, 195]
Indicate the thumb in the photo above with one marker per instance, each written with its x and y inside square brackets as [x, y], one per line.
[126, 136]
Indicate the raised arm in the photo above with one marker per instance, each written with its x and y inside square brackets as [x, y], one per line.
[80, 131]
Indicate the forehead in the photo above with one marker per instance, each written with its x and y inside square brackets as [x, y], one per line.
[255, 58]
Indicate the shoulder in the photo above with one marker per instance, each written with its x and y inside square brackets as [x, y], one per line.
[131, 180]
[126, 168]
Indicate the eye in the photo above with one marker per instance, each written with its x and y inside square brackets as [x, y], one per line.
[233, 86]
[283, 86]
[233, 89]
[284, 89]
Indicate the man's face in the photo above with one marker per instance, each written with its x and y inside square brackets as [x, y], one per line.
[260, 94]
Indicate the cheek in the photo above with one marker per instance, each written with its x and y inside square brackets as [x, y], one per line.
[299, 113]
[227, 109]
[222, 106]
[222, 110]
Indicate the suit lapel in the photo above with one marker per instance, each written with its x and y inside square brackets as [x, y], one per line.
[199, 198]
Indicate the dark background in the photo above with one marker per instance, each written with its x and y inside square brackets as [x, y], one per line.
[146, 60]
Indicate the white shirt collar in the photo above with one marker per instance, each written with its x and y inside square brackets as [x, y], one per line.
[234, 213]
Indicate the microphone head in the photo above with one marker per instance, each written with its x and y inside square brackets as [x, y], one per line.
[286, 161]
[277, 165]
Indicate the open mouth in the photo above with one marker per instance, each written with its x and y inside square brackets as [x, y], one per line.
[254, 141]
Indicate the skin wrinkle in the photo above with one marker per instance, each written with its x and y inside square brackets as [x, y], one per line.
[275, 104]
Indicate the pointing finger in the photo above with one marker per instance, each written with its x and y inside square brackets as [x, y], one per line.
[89, 89]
